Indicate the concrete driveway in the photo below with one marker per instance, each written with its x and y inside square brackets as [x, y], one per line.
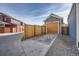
[49, 45]
[11, 44]
[62, 46]
[38, 46]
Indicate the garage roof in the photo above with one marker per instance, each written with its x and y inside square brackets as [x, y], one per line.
[53, 15]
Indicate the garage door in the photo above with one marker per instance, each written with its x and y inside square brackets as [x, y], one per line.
[52, 27]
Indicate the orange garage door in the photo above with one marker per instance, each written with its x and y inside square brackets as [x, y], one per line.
[52, 27]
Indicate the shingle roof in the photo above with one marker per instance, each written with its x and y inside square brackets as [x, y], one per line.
[54, 15]
[10, 17]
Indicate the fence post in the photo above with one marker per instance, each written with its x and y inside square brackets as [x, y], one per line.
[25, 31]
[34, 30]
[24, 34]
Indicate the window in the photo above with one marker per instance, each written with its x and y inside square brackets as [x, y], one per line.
[1, 18]
[21, 23]
[8, 20]
[1, 25]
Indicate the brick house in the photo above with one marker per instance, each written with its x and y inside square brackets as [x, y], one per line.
[10, 24]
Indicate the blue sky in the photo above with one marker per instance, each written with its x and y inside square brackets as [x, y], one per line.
[31, 13]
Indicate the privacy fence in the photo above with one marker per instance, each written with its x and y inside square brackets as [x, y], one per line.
[33, 30]
[65, 30]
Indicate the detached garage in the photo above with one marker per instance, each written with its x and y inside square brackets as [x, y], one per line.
[53, 23]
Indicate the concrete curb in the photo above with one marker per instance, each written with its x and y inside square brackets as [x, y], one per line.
[9, 34]
[50, 45]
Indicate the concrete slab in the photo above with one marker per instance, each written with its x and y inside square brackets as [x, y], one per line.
[10, 45]
[38, 46]
[62, 46]
[33, 48]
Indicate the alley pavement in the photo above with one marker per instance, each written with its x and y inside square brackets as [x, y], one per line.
[43, 45]
[62, 46]
[38, 46]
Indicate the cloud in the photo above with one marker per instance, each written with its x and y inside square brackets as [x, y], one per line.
[61, 10]
[65, 12]
[36, 13]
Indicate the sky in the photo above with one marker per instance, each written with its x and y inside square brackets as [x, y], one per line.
[35, 13]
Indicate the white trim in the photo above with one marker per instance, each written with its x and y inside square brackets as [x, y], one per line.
[77, 22]
[76, 28]
[7, 34]
[58, 25]
[54, 15]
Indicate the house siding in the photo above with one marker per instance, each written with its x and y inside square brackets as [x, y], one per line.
[51, 19]
[15, 22]
[72, 24]
[9, 24]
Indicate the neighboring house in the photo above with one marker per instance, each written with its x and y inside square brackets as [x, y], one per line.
[53, 23]
[73, 22]
[10, 24]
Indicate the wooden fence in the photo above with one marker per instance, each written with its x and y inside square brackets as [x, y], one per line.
[33, 30]
[65, 30]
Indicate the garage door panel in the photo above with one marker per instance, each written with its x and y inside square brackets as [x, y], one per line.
[52, 27]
